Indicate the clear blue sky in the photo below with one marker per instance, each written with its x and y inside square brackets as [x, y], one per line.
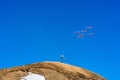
[40, 30]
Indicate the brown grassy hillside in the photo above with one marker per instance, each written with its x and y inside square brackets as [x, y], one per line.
[51, 71]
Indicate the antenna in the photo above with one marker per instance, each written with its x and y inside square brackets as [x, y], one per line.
[62, 57]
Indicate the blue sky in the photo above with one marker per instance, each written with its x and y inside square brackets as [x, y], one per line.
[36, 31]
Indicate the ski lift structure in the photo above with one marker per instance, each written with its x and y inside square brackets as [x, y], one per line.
[84, 32]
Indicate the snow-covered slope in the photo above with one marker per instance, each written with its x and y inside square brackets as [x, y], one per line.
[32, 76]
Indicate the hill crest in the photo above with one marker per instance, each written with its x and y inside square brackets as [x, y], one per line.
[51, 71]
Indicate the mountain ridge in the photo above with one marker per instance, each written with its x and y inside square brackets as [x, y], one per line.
[51, 71]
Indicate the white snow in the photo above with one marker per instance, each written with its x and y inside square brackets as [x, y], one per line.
[32, 76]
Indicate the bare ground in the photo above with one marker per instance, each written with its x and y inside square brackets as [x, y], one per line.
[51, 71]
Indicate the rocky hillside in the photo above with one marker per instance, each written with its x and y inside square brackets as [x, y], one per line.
[51, 71]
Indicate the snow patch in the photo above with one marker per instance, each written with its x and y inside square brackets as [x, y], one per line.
[32, 76]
